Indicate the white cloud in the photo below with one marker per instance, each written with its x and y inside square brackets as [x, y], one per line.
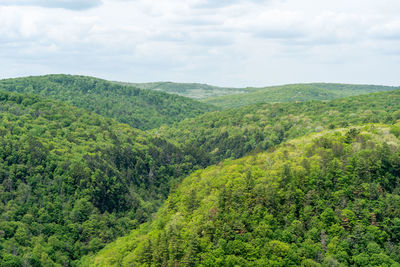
[389, 30]
[66, 4]
[223, 3]
[235, 43]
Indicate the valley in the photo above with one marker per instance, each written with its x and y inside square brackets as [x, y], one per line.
[94, 173]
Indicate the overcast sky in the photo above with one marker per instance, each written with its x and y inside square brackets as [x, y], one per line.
[221, 42]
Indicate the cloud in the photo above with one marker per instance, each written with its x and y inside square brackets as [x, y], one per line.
[388, 31]
[233, 43]
[196, 21]
[64, 4]
[210, 4]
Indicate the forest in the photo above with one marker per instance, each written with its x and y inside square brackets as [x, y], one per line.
[330, 198]
[227, 97]
[234, 132]
[72, 181]
[293, 93]
[142, 109]
[191, 90]
[101, 173]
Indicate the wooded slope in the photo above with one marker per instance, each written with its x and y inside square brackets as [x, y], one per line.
[142, 109]
[72, 181]
[330, 199]
[215, 136]
[294, 93]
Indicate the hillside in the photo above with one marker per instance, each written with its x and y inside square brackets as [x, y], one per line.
[72, 181]
[215, 136]
[192, 90]
[142, 109]
[226, 97]
[330, 199]
[293, 93]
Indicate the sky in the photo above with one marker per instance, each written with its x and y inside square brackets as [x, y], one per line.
[233, 43]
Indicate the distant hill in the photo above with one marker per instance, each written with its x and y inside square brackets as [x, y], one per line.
[226, 97]
[330, 199]
[192, 90]
[72, 181]
[142, 109]
[293, 93]
[234, 132]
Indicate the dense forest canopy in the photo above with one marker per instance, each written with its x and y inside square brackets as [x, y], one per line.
[142, 109]
[233, 133]
[72, 181]
[331, 199]
[231, 97]
[192, 90]
[293, 93]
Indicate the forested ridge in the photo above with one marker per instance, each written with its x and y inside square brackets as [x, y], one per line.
[233, 133]
[331, 199]
[73, 178]
[231, 97]
[142, 109]
[192, 90]
[72, 181]
[294, 93]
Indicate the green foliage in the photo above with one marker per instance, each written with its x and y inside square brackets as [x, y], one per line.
[72, 181]
[215, 136]
[306, 203]
[192, 90]
[228, 97]
[293, 93]
[142, 109]
[395, 130]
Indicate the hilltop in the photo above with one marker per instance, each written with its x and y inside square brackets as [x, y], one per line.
[191, 90]
[142, 109]
[295, 93]
[231, 97]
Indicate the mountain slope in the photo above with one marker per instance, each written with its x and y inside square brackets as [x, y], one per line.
[226, 97]
[192, 90]
[142, 109]
[331, 199]
[215, 136]
[72, 181]
[293, 93]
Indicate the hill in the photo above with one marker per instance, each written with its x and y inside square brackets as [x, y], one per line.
[330, 199]
[293, 93]
[215, 136]
[192, 90]
[72, 181]
[228, 97]
[142, 109]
